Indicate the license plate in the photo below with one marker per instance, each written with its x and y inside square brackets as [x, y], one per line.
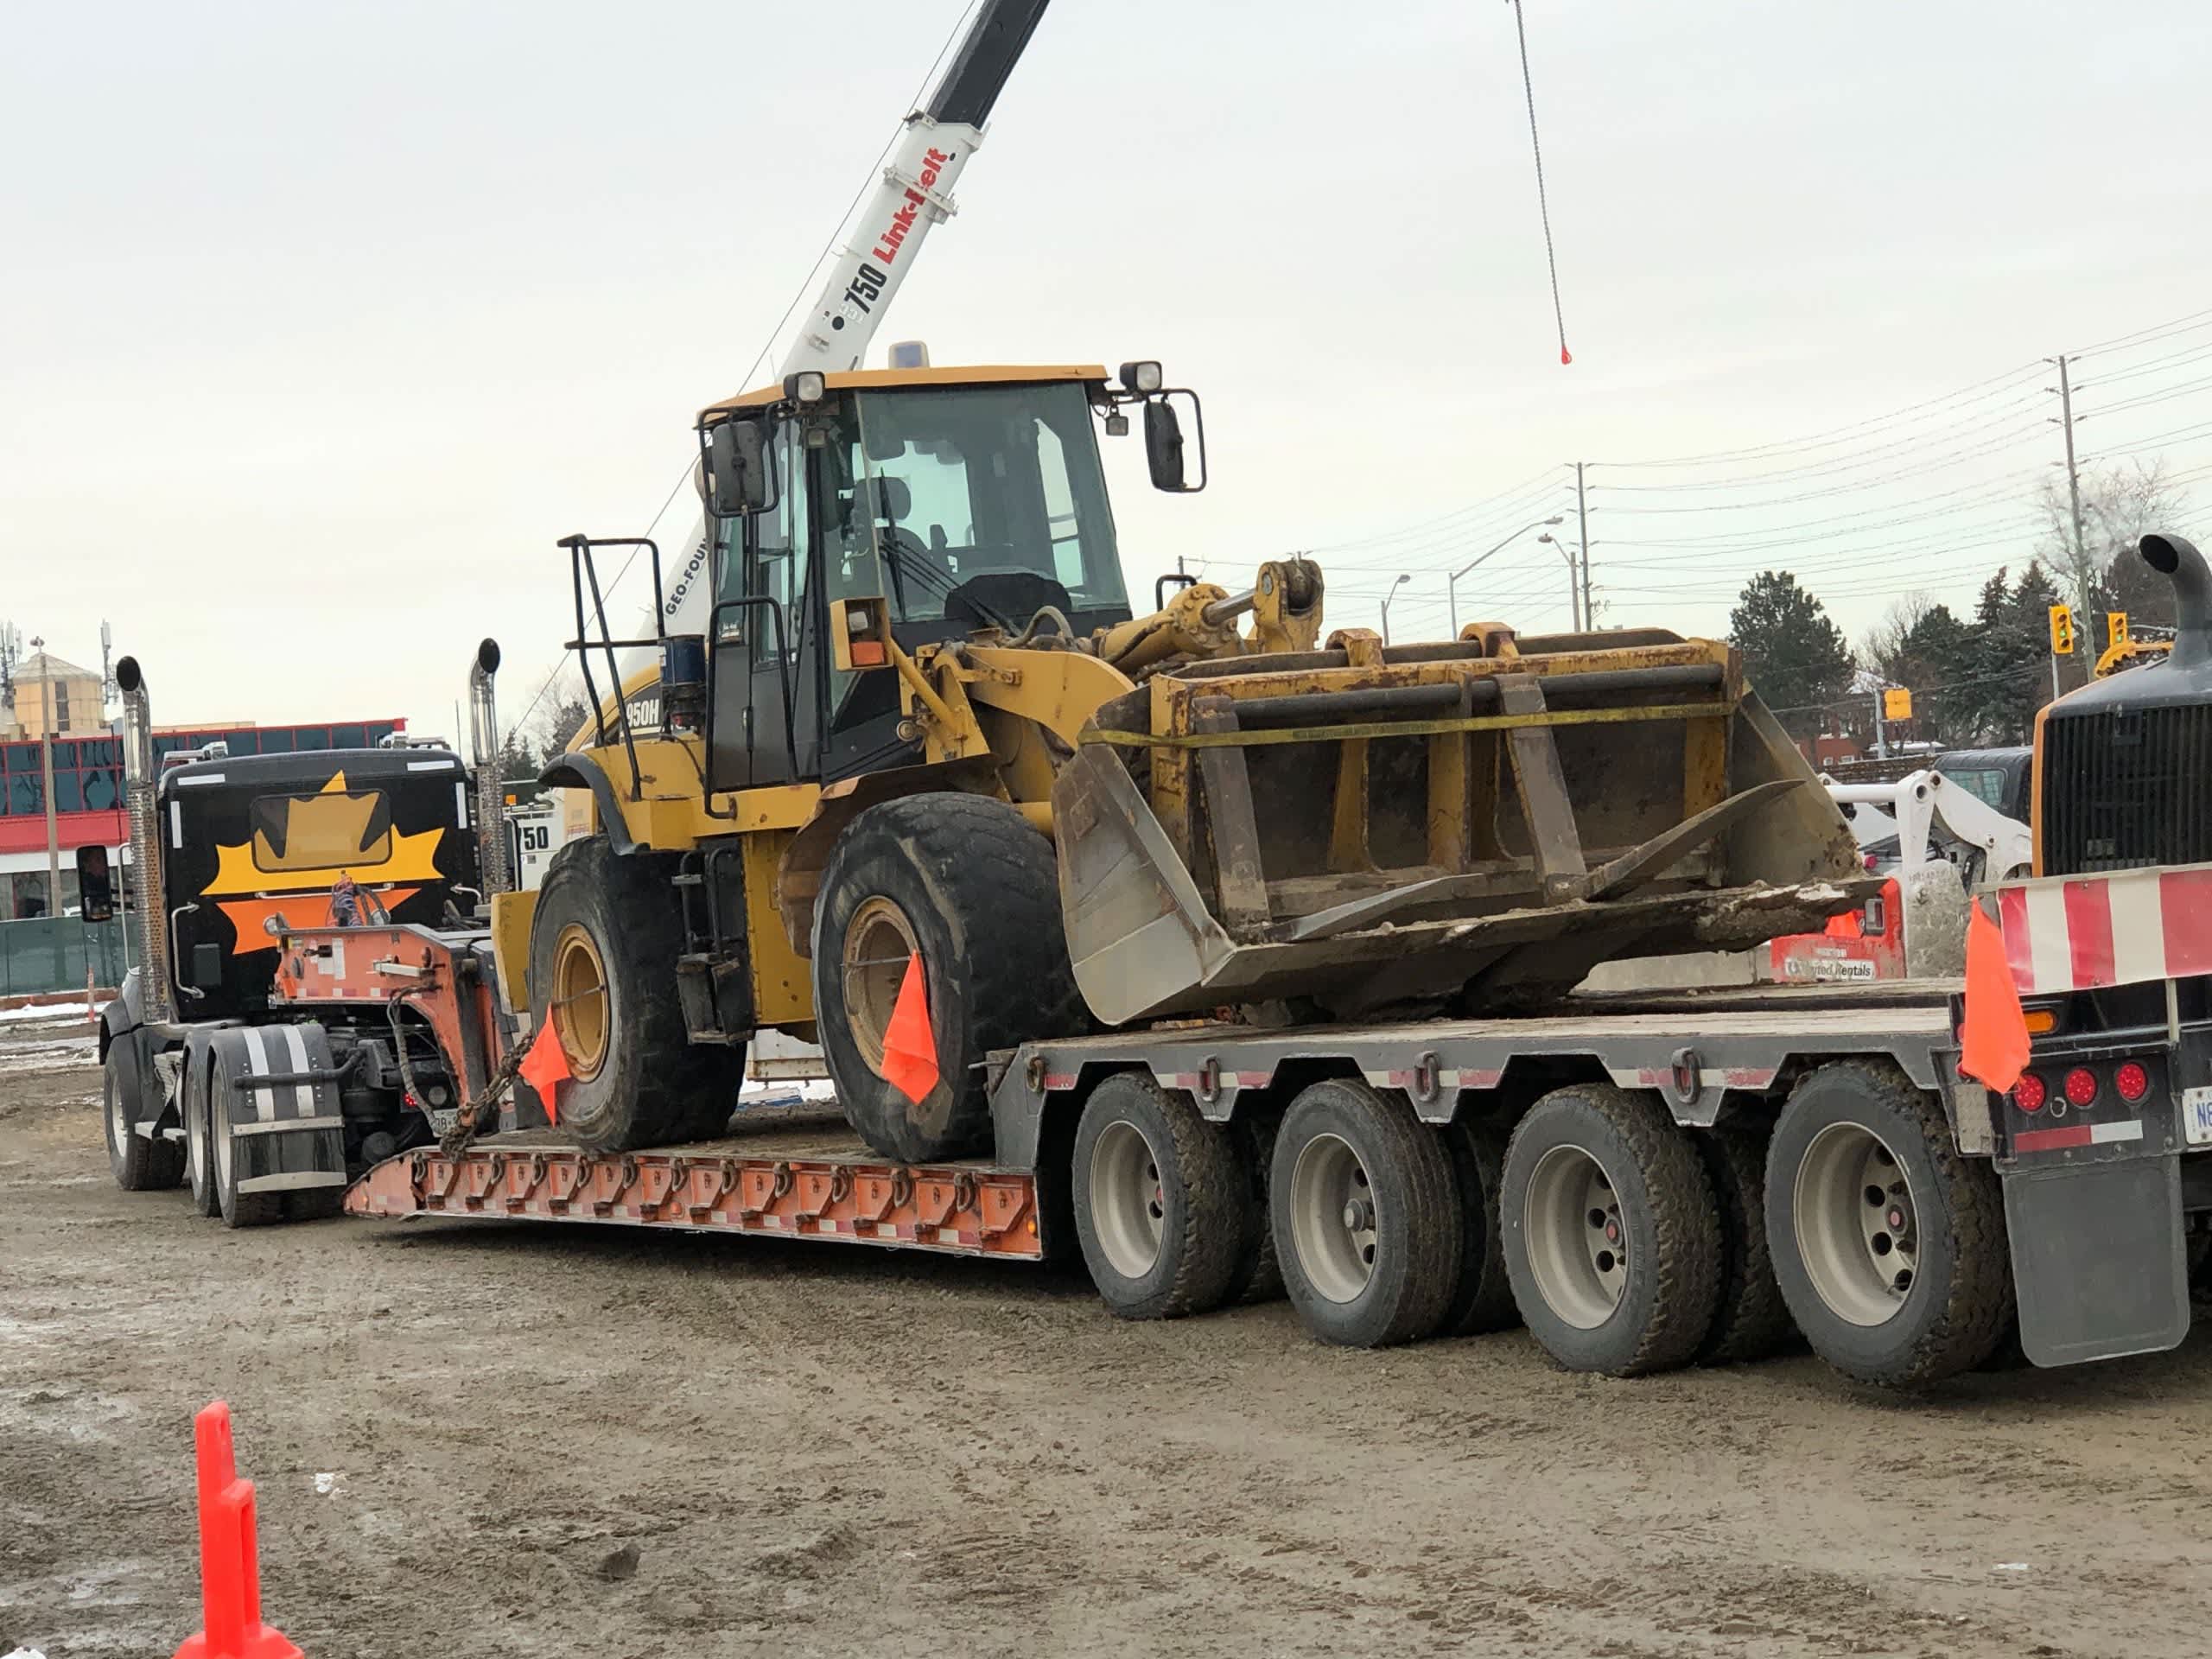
[2197, 1116]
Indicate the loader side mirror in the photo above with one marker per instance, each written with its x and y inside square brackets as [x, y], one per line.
[1164, 443]
[738, 481]
[95, 884]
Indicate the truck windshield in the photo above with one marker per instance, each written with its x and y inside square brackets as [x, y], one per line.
[957, 486]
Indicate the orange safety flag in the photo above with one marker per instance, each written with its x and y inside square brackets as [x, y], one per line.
[546, 1067]
[1993, 1037]
[908, 1046]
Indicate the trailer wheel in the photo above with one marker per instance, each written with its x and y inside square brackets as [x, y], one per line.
[1366, 1215]
[964, 883]
[1259, 1276]
[604, 941]
[1889, 1246]
[1611, 1238]
[191, 1096]
[1484, 1299]
[141, 1164]
[1752, 1321]
[1160, 1201]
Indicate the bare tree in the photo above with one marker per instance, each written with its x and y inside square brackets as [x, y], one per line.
[2118, 503]
[1883, 647]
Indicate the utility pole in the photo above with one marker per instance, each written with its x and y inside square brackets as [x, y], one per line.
[1582, 518]
[2073, 482]
[46, 769]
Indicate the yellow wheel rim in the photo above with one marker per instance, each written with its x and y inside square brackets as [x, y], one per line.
[879, 940]
[580, 1010]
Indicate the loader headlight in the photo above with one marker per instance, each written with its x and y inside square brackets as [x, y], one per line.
[807, 386]
[1144, 377]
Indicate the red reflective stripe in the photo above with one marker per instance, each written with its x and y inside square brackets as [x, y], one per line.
[2079, 1135]
[2185, 908]
[2088, 930]
[2013, 917]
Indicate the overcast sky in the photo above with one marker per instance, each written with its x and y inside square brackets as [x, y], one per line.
[322, 322]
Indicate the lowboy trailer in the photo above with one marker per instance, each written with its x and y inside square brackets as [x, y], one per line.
[1645, 1182]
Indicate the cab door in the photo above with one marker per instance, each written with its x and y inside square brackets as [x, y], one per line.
[761, 637]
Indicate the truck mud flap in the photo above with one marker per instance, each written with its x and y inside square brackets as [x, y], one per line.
[2098, 1258]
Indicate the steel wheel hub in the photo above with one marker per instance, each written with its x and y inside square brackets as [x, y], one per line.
[581, 1019]
[1333, 1218]
[879, 942]
[1577, 1249]
[1857, 1226]
[1128, 1209]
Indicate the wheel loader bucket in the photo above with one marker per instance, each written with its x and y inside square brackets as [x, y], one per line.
[1466, 825]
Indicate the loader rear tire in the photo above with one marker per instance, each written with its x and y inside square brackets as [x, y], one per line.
[963, 883]
[603, 947]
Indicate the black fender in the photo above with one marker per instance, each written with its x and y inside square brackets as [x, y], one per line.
[124, 1012]
[273, 1095]
[581, 772]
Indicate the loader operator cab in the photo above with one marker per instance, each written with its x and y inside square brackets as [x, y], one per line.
[965, 500]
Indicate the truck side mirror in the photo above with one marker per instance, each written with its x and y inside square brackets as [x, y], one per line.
[1164, 443]
[738, 481]
[95, 884]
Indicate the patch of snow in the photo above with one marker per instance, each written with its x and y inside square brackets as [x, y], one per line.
[63, 1010]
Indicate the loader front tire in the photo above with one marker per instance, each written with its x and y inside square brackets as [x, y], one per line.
[965, 885]
[604, 941]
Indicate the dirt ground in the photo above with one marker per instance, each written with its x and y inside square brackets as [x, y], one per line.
[501, 1439]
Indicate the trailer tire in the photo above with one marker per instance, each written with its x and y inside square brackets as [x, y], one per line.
[1484, 1299]
[140, 1164]
[198, 1152]
[1161, 1205]
[1845, 1127]
[1750, 1320]
[1366, 1215]
[1259, 1276]
[965, 884]
[604, 941]
[1593, 1173]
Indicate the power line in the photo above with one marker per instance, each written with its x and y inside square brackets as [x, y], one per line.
[1543, 204]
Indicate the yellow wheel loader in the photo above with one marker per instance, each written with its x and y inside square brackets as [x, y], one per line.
[923, 732]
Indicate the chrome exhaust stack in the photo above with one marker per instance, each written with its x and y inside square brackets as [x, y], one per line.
[143, 813]
[485, 749]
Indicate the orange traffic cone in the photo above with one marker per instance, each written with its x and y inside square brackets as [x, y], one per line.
[230, 1562]
[908, 1046]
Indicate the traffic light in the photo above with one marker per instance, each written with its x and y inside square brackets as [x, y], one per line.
[2115, 628]
[1896, 704]
[2062, 630]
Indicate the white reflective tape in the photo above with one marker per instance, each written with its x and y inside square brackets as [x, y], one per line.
[210, 778]
[291, 1182]
[176, 824]
[304, 1097]
[257, 1061]
[461, 801]
[286, 1125]
[2049, 940]
[2131, 1130]
[431, 766]
[2138, 930]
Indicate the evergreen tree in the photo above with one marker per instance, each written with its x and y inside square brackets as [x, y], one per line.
[1794, 654]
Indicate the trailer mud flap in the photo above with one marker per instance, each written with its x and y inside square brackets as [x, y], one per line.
[2098, 1259]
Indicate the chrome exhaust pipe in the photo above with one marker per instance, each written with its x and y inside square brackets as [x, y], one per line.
[485, 750]
[143, 813]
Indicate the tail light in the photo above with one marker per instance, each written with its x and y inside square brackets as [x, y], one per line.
[2133, 1082]
[2081, 1086]
[2030, 1093]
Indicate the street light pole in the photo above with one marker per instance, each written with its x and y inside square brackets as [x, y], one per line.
[1451, 581]
[1402, 580]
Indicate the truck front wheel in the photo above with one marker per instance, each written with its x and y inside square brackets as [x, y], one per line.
[141, 1164]
[1888, 1244]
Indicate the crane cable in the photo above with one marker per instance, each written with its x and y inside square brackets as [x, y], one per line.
[1544, 207]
